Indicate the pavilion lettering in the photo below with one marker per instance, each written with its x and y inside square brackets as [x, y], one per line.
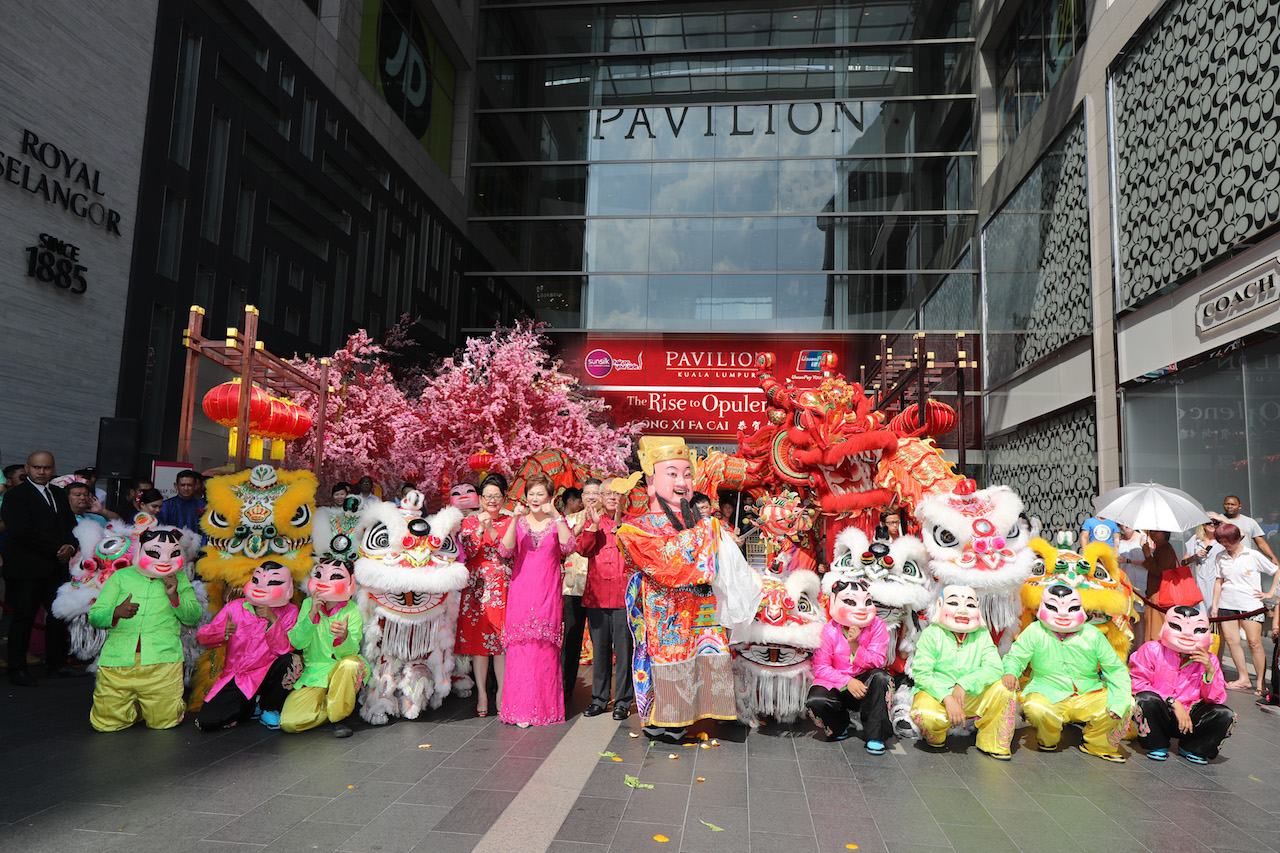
[801, 119]
[45, 170]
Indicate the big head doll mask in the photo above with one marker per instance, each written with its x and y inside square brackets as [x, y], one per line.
[159, 553]
[270, 586]
[851, 604]
[331, 581]
[1185, 630]
[464, 497]
[1062, 609]
[958, 610]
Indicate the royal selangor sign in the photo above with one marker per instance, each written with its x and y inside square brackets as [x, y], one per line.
[1244, 294]
[59, 178]
[701, 387]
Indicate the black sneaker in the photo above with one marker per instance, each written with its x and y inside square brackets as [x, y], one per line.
[342, 730]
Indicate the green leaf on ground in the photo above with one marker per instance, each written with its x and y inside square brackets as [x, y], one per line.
[634, 782]
[607, 754]
[711, 826]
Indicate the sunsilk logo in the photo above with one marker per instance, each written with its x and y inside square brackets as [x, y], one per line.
[598, 363]
[810, 360]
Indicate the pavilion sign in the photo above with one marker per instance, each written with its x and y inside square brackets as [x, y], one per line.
[800, 119]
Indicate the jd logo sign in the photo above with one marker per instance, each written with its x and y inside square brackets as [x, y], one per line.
[403, 64]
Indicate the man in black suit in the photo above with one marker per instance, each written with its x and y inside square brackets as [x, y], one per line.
[39, 520]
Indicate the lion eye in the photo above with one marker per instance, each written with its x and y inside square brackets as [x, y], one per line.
[1037, 569]
[1100, 573]
[216, 519]
[377, 539]
[804, 606]
[302, 517]
[945, 537]
[910, 570]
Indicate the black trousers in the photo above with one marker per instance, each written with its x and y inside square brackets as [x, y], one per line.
[610, 638]
[830, 708]
[575, 620]
[25, 595]
[1210, 725]
[230, 707]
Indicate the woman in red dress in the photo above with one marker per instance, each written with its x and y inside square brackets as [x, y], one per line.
[483, 610]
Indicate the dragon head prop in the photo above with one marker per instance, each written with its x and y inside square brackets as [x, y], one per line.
[772, 660]
[337, 530]
[1104, 588]
[408, 564]
[257, 515]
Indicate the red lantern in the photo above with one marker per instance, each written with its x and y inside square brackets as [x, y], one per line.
[222, 403]
[939, 419]
[480, 463]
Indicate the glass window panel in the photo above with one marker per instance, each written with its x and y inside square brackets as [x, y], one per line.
[803, 243]
[547, 245]
[679, 245]
[169, 254]
[746, 244]
[804, 302]
[618, 189]
[674, 301]
[184, 98]
[805, 185]
[618, 302]
[683, 188]
[617, 244]
[749, 186]
[742, 302]
[879, 301]
[215, 177]
[1262, 423]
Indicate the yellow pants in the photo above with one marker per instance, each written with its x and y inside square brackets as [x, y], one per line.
[995, 709]
[124, 692]
[308, 707]
[1102, 732]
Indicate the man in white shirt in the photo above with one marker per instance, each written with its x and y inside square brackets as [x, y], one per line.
[1250, 530]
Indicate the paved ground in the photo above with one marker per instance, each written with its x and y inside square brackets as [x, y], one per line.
[486, 787]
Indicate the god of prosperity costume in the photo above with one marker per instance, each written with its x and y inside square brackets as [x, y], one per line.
[328, 634]
[259, 657]
[1076, 676]
[692, 586]
[140, 667]
[855, 643]
[1167, 679]
[956, 650]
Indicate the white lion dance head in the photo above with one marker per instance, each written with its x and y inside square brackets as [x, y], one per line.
[410, 569]
[980, 538]
[773, 661]
[899, 581]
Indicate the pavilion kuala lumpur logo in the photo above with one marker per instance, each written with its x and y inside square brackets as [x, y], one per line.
[599, 363]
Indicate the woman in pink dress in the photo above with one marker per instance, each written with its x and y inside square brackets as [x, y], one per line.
[484, 602]
[533, 693]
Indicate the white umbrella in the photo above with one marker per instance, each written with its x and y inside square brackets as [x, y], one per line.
[1151, 506]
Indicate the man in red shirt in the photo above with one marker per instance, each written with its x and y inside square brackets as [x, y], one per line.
[604, 598]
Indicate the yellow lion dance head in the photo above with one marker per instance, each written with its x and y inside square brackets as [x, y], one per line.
[1105, 589]
[252, 516]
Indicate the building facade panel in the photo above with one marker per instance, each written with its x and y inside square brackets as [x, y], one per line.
[70, 142]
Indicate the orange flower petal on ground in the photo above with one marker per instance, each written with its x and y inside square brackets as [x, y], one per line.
[661, 839]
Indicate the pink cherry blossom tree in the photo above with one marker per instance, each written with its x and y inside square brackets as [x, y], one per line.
[503, 393]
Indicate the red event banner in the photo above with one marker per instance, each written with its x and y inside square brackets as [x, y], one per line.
[699, 386]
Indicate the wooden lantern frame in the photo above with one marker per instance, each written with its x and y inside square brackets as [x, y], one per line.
[243, 354]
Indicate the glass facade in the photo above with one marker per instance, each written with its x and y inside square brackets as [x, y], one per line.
[700, 166]
[1032, 57]
[1211, 430]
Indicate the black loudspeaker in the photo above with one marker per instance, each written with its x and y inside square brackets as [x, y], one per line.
[117, 448]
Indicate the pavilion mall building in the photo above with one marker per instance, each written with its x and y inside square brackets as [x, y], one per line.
[1088, 192]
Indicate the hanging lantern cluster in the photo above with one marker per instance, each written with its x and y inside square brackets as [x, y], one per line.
[270, 417]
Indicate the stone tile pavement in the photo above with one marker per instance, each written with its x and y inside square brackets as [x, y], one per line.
[487, 787]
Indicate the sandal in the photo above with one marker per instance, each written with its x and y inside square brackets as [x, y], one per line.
[1240, 685]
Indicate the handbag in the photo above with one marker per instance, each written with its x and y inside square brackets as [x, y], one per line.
[1178, 588]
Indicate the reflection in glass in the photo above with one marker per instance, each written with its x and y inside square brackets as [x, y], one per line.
[679, 245]
[741, 302]
[616, 244]
[619, 188]
[676, 301]
[617, 302]
[745, 244]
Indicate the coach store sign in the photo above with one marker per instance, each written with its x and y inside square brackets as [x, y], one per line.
[1254, 290]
